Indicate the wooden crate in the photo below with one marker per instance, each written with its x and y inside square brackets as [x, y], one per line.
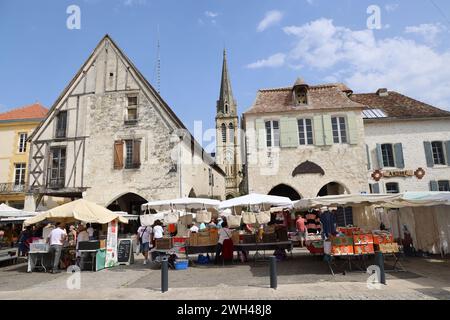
[164, 243]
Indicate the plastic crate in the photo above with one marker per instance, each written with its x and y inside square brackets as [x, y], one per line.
[181, 264]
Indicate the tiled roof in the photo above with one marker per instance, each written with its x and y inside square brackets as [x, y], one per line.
[327, 96]
[396, 105]
[34, 111]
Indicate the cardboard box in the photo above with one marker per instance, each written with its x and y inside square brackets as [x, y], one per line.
[342, 241]
[363, 239]
[381, 238]
[348, 231]
[193, 239]
[364, 249]
[342, 250]
[387, 247]
[164, 243]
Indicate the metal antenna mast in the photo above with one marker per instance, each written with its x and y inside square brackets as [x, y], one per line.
[158, 66]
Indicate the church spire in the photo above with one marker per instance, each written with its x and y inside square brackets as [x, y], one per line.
[226, 103]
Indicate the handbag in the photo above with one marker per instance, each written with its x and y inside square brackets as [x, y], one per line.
[234, 221]
[147, 220]
[171, 217]
[263, 217]
[248, 217]
[203, 216]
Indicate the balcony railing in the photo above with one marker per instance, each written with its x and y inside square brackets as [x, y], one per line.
[10, 187]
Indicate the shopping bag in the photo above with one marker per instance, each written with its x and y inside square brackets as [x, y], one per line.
[147, 220]
[234, 221]
[171, 217]
[186, 219]
[203, 216]
[248, 217]
[263, 217]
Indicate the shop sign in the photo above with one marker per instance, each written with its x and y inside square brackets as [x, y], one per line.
[111, 244]
[378, 174]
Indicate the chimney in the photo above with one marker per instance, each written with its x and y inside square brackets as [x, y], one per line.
[382, 92]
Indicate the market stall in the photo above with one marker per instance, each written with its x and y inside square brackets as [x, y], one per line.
[90, 251]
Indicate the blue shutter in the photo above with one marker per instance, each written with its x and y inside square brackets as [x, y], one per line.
[376, 188]
[399, 161]
[447, 152]
[434, 186]
[428, 154]
[368, 157]
[379, 156]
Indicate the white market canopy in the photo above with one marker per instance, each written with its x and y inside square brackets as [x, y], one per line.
[421, 199]
[10, 212]
[256, 199]
[182, 203]
[81, 210]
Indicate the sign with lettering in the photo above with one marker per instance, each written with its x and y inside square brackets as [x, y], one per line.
[111, 245]
[124, 251]
[378, 174]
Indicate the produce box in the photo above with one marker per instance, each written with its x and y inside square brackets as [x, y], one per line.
[342, 250]
[364, 249]
[164, 243]
[379, 238]
[366, 238]
[193, 239]
[342, 241]
[348, 231]
[387, 247]
[269, 237]
[248, 238]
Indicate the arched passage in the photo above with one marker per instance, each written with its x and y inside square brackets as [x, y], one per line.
[332, 189]
[192, 194]
[128, 202]
[344, 215]
[285, 191]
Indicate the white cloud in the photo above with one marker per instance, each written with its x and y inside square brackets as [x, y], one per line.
[366, 63]
[275, 60]
[270, 19]
[131, 3]
[211, 14]
[391, 7]
[429, 31]
[310, 2]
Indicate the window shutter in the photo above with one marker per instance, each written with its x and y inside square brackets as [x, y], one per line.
[428, 154]
[399, 160]
[260, 133]
[376, 188]
[136, 153]
[118, 154]
[434, 186]
[318, 131]
[327, 129]
[368, 157]
[352, 129]
[447, 152]
[379, 156]
[288, 132]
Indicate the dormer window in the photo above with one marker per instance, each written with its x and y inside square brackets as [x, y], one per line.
[301, 96]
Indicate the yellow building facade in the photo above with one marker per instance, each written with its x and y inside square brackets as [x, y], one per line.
[15, 128]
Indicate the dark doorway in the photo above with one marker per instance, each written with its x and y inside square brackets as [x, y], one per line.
[129, 202]
[192, 194]
[331, 189]
[284, 191]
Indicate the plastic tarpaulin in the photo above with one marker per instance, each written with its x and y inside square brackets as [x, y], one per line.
[256, 199]
[346, 200]
[188, 203]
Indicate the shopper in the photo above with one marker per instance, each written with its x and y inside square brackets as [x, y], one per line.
[301, 229]
[24, 245]
[90, 231]
[144, 236]
[158, 231]
[56, 239]
[224, 233]
[72, 236]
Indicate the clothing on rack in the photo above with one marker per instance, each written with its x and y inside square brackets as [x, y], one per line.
[313, 221]
[328, 220]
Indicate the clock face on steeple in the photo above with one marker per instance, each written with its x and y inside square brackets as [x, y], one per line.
[229, 155]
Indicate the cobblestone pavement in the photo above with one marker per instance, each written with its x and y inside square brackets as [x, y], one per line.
[301, 277]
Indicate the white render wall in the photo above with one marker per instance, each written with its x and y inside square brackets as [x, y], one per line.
[411, 134]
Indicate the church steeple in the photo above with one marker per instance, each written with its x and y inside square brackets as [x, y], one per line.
[226, 105]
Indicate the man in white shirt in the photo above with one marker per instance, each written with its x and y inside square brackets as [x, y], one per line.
[56, 239]
[144, 235]
[90, 231]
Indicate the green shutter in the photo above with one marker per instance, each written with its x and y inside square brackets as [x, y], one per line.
[379, 156]
[447, 152]
[288, 132]
[327, 129]
[318, 131]
[398, 151]
[368, 157]
[260, 133]
[428, 154]
[352, 128]
[434, 186]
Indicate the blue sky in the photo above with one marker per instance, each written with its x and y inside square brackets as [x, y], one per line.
[269, 44]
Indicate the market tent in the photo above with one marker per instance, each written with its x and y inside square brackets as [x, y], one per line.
[182, 203]
[420, 199]
[347, 200]
[256, 199]
[10, 212]
[81, 210]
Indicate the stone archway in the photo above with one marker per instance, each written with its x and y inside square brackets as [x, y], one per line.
[285, 191]
[331, 189]
[129, 202]
[192, 193]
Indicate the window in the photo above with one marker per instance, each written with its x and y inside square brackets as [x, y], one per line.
[272, 133]
[224, 132]
[57, 167]
[132, 115]
[444, 185]
[19, 175]
[339, 129]
[132, 154]
[392, 187]
[387, 153]
[305, 132]
[61, 124]
[231, 128]
[226, 108]
[300, 96]
[22, 142]
[438, 152]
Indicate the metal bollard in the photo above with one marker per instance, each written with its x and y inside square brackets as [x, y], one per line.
[164, 275]
[273, 272]
[379, 261]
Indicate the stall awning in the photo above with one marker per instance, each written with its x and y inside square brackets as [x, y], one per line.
[256, 199]
[182, 203]
[8, 212]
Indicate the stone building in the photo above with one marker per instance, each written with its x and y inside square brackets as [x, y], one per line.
[110, 138]
[408, 143]
[228, 145]
[15, 127]
[305, 141]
